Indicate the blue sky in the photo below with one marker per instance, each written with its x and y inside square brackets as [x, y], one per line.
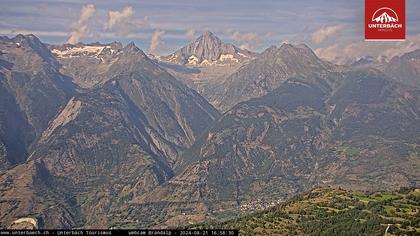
[162, 26]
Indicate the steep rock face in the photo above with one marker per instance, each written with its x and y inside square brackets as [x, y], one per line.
[30, 73]
[265, 73]
[31, 42]
[133, 148]
[259, 147]
[87, 64]
[100, 130]
[123, 138]
[169, 106]
[376, 121]
[90, 151]
[309, 131]
[244, 78]
[32, 92]
[406, 68]
[3, 154]
[205, 63]
[208, 49]
[105, 151]
[15, 132]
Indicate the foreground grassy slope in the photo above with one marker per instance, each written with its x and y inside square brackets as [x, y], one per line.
[326, 211]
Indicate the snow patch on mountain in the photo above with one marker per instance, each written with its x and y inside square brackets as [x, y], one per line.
[86, 50]
[208, 50]
[228, 57]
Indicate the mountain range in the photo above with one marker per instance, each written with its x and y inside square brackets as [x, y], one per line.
[205, 64]
[105, 135]
[125, 133]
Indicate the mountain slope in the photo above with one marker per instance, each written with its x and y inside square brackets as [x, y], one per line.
[205, 63]
[208, 49]
[136, 148]
[32, 92]
[15, 132]
[309, 131]
[250, 77]
[326, 211]
[116, 141]
[406, 68]
[86, 64]
[267, 72]
[29, 191]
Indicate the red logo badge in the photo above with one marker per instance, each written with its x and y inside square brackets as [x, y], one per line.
[384, 20]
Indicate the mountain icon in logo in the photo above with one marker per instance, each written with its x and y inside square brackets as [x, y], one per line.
[385, 15]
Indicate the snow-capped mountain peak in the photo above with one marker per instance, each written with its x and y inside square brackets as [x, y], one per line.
[208, 50]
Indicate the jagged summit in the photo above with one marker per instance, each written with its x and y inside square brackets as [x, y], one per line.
[129, 123]
[208, 33]
[295, 48]
[31, 42]
[81, 44]
[268, 71]
[132, 49]
[289, 48]
[95, 50]
[208, 36]
[89, 63]
[208, 49]
[99, 51]
[298, 54]
[131, 46]
[413, 55]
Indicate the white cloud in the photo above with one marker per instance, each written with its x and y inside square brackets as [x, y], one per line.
[116, 17]
[244, 37]
[157, 42]
[269, 34]
[246, 40]
[190, 34]
[80, 27]
[120, 21]
[325, 32]
[249, 40]
[123, 23]
[342, 53]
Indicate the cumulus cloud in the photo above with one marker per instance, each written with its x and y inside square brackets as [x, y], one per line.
[190, 34]
[325, 32]
[157, 43]
[269, 34]
[120, 21]
[116, 17]
[249, 40]
[81, 27]
[342, 53]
